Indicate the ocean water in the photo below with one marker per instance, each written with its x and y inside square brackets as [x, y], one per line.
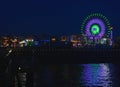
[27, 70]
[66, 75]
[97, 75]
[78, 75]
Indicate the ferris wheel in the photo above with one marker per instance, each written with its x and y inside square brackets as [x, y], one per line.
[96, 26]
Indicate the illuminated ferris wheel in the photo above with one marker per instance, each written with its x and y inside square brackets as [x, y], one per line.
[96, 26]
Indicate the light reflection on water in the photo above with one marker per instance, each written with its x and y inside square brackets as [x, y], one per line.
[96, 75]
[76, 75]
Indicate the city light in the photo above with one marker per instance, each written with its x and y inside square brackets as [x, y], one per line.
[77, 41]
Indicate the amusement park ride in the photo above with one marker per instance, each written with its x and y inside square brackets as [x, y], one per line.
[97, 29]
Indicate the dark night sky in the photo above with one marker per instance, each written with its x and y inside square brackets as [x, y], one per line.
[53, 16]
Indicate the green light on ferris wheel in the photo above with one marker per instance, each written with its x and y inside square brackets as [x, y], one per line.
[95, 29]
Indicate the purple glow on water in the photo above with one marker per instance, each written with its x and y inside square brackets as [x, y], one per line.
[100, 23]
[96, 75]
